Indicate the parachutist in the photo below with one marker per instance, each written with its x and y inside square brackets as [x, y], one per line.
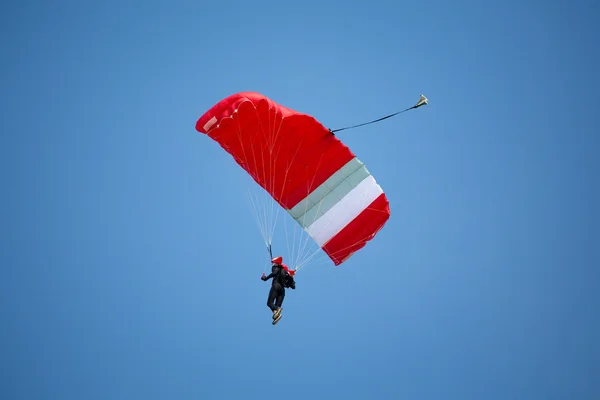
[282, 278]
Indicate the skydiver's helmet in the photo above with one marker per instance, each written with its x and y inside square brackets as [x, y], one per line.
[277, 260]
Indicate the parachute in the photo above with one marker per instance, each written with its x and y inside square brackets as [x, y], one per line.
[304, 168]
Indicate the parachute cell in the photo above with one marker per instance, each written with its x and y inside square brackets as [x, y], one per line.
[306, 169]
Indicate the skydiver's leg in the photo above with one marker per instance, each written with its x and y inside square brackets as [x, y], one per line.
[280, 297]
[272, 298]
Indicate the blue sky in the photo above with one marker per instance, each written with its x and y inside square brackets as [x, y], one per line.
[131, 262]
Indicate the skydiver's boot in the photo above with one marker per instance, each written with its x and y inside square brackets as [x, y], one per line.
[277, 313]
[276, 320]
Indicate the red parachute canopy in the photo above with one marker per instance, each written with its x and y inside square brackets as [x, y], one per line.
[305, 168]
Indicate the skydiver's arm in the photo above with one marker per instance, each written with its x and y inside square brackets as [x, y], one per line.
[266, 278]
[274, 271]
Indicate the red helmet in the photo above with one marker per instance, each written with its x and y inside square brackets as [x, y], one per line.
[277, 260]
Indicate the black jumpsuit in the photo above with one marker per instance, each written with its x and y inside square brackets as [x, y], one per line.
[277, 292]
